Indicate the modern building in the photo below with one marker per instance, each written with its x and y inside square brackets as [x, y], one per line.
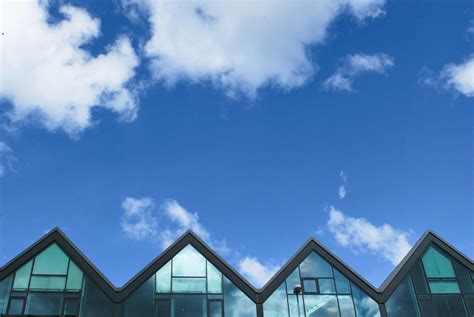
[53, 278]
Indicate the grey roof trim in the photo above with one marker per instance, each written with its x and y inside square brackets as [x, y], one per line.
[257, 295]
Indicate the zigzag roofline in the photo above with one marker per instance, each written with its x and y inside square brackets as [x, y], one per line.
[118, 294]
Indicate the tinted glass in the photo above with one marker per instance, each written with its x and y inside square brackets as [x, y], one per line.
[315, 266]
[48, 283]
[189, 306]
[276, 305]
[189, 285]
[293, 303]
[163, 279]
[346, 306]
[402, 303]
[74, 277]
[5, 287]
[342, 283]
[215, 309]
[236, 303]
[71, 307]
[470, 305]
[310, 286]
[94, 302]
[214, 279]
[326, 286]
[16, 306]
[444, 287]
[449, 306]
[43, 304]
[22, 276]
[163, 308]
[426, 308]
[464, 278]
[321, 306]
[189, 262]
[51, 261]
[364, 305]
[418, 277]
[292, 281]
[437, 264]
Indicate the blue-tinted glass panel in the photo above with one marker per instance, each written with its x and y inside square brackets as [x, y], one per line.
[52, 261]
[292, 281]
[315, 266]
[51, 283]
[342, 283]
[346, 306]
[5, 287]
[215, 309]
[16, 306]
[310, 286]
[71, 307]
[326, 286]
[426, 308]
[276, 305]
[22, 277]
[43, 304]
[189, 262]
[418, 277]
[141, 302]
[365, 305]
[163, 279]
[321, 306]
[444, 287]
[236, 303]
[74, 277]
[94, 302]
[189, 306]
[470, 305]
[214, 279]
[163, 308]
[449, 305]
[437, 265]
[464, 278]
[295, 304]
[189, 285]
[403, 303]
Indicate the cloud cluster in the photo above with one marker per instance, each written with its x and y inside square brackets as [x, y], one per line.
[6, 158]
[138, 222]
[49, 76]
[241, 47]
[355, 65]
[255, 271]
[362, 236]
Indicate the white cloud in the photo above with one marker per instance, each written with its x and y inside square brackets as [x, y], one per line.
[343, 176]
[355, 65]
[243, 46]
[342, 192]
[6, 158]
[138, 221]
[362, 236]
[460, 77]
[50, 77]
[256, 272]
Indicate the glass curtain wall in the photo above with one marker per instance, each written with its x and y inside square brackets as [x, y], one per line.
[437, 286]
[316, 289]
[188, 286]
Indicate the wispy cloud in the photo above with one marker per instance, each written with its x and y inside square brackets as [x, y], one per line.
[360, 235]
[6, 158]
[257, 272]
[138, 220]
[342, 188]
[234, 48]
[355, 65]
[50, 77]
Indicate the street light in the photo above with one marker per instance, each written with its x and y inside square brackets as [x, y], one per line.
[297, 291]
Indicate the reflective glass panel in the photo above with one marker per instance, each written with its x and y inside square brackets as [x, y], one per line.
[189, 262]
[436, 264]
[5, 287]
[444, 287]
[315, 266]
[449, 305]
[214, 279]
[321, 306]
[276, 305]
[364, 305]
[326, 286]
[418, 277]
[464, 278]
[163, 279]
[426, 308]
[94, 302]
[292, 281]
[189, 285]
[163, 308]
[236, 303]
[43, 304]
[215, 309]
[16, 306]
[402, 303]
[470, 305]
[310, 286]
[293, 303]
[189, 306]
[52, 261]
[22, 276]
[71, 307]
[74, 277]
[346, 306]
[342, 283]
[48, 283]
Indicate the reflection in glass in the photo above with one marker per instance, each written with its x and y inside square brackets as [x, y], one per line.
[22, 277]
[326, 286]
[215, 309]
[189, 262]
[189, 306]
[436, 264]
[276, 304]
[48, 283]
[43, 304]
[214, 279]
[444, 287]
[315, 266]
[364, 305]
[346, 306]
[321, 306]
[5, 287]
[163, 279]
[342, 283]
[403, 303]
[189, 285]
[236, 303]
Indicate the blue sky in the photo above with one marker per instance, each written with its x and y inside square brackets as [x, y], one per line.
[126, 124]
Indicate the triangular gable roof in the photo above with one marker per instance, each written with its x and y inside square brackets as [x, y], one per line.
[257, 295]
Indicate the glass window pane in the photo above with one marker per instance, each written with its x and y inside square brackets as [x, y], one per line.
[292, 281]
[293, 303]
[214, 279]
[236, 303]
[94, 302]
[310, 286]
[346, 306]
[470, 305]
[22, 277]
[215, 309]
[444, 287]
[402, 303]
[342, 283]
[163, 279]
[71, 307]
[74, 277]
[326, 286]
[364, 305]
[189, 262]
[449, 305]
[419, 281]
[56, 283]
[189, 285]
[315, 266]
[16, 306]
[189, 306]
[464, 278]
[163, 308]
[426, 308]
[43, 304]
[437, 264]
[321, 306]
[276, 305]
[5, 287]
[52, 261]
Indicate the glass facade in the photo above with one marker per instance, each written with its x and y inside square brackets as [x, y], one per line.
[51, 284]
[317, 289]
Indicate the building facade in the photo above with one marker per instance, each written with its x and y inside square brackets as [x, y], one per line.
[53, 278]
